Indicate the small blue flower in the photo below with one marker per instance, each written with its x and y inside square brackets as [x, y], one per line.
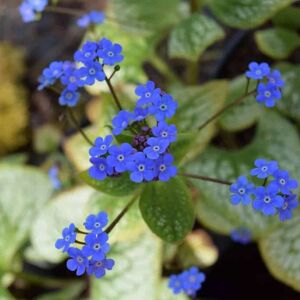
[101, 146]
[175, 283]
[71, 78]
[118, 156]
[165, 168]
[263, 168]
[163, 107]
[290, 203]
[156, 146]
[91, 72]
[241, 191]
[37, 5]
[258, 71]
[165, 131]
[68, 98]
[68, 238]
[284, 182]
[241, 235]
[121, 121]
[54, 71]
[53, 176]
[87, 53]
[276, 79]
[96, 246]
[77, 261]
[141, 168]
[100, 169]
[27, 12]
[268, 94]
[140, 114]
[109, 52]
[96, 223]
[148, 93]
[98, 268]
[93, 17]
[267, 199]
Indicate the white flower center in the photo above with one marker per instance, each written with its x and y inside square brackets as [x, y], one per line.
[156, 148]
[103, 147]
[141, 168]
[282, 181]
[267, 199]
[163, 107]
[162, 168]
[267, 94]
[285, 205]
[164, 134]
[264, 168]
[110, 53]
[242, 191]
[148, 95]
[92, 71]
[97, 247]
[102, 167]
[79, 259]
[120, 157]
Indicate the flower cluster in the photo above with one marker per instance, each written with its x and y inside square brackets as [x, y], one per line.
[270, 83]
[274, 196]
[88, 256]
[241, 235]
[91, 18]
[30, 9]
[188, 282]
[147, 157]
[86, 69]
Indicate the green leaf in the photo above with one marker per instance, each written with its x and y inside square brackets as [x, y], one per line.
[116, 186]
[275, 139]
[23, 193]
[136, 273]
[277, 43]
[244, 115]
[165, 293]
[196, 105]
[281, 250]
[190, 38]
[290, 103]
[246, 13]
[288, 18]
[167, 209]
[5, 295]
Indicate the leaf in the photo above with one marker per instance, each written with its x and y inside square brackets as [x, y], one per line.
[167, 209]
[68, 207]
[275, 139]
[288, 18]
[23, 193]
[277, 43]
[290, 103]
[244, 115]
[280, 251]
[196, 105]
[136, 273]
[165, 293]
[246, 13]
[190, 38]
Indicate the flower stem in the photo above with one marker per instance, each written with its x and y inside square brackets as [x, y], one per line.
[205, 178]
[65, 10]
[111, 88]
[225, 108]
[121, 214]
[77, 125]
[80, 243]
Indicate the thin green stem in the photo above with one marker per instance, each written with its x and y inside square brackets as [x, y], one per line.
[79, 243]
[121, 214]
[77, 125]
[225, 108]
[79, 231]
[205, 178]
[111, 88]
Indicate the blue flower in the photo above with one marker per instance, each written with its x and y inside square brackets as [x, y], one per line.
[87, 53]
[37, 5]
[163, 107]
[78, 261]
[175, 283]
[71, 78]
[100, 169]
[96, 223]
[241, 235]
[290, 203]
[284, 182]
[263, 168]
[98, 268]
[156, 146]
[241, 191]
[267, 199]
[258, 71]
[141, 168]
[96, 246]
[164, 168]
[68, 98]
[121, 121]
[27, 12]
[109, 52]
[91, 72]
[101, 146]
[276, 79]
[54, 71]
[268, 94]
[93, 17]
[118, 156]
[148, 93]
[165, 131]
[140, 114]
[53, 176]
[68, 238]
